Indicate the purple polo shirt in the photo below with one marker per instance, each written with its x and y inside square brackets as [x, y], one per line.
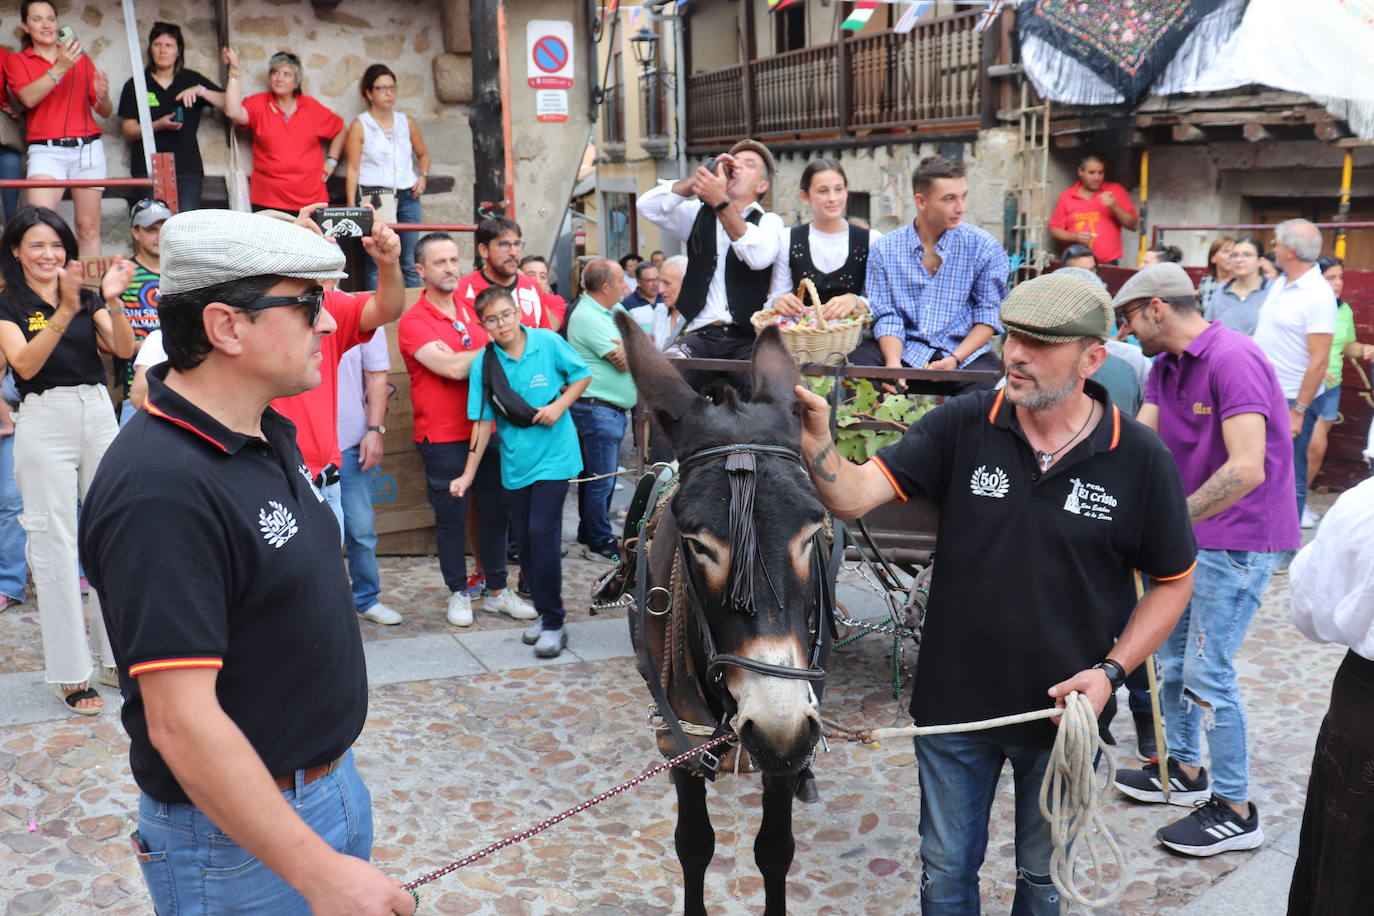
[1223, 373]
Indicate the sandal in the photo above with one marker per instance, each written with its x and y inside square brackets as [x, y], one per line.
[71, 694]
[109, 675]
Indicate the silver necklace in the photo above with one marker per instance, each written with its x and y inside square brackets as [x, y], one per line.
[1045, 459]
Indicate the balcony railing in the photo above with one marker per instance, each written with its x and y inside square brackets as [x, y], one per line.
[928, 78]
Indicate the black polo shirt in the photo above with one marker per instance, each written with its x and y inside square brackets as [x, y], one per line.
[212, 549]
[75, 360]
[1033, 571]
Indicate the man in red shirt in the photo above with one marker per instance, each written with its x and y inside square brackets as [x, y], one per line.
[439, 339]
[316, 412]
[1093, 212]
[499, 247]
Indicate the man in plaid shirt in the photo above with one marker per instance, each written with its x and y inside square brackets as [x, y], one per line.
[935, 285]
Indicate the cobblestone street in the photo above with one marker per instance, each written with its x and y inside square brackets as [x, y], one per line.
[469, 739]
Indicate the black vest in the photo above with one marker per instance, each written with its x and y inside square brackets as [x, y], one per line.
[847, 278]
[746, 289]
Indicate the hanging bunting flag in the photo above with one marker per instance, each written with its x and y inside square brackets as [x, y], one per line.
[610, 9]
[863, 11]
[990, 15]
[775, 5]
[908, 21]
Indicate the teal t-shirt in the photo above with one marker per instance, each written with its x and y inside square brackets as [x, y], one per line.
[534, 453]
[592, 333]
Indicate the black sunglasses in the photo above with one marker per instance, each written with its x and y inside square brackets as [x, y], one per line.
[314, 298]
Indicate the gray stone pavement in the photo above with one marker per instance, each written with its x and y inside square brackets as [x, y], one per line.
[470, 739]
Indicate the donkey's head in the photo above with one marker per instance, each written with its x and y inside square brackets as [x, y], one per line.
[748, 520]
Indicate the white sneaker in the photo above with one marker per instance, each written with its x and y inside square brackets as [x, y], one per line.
[509, 603]
[380, 613]
[459, 610]
[531, 634]
[1309, 518]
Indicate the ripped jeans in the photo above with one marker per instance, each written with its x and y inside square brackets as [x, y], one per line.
[1198, 686]
[958, 775]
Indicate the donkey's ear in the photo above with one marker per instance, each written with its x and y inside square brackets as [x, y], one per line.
[660, 384]
[775, 369]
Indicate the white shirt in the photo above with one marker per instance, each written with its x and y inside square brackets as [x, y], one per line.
[1291, 311]
[666, 326]
[372, 356]
[1331, 580]
[829, 251]
[386, 161]
[758, 247]
[151, 353]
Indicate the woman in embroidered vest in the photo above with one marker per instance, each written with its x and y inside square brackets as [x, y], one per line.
[381, 151]
[830, 251]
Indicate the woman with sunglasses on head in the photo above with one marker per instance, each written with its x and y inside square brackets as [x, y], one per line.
[381, 152]
[177, 96]
[60, 87]
[50, 328]
[830, 251]
[289, 165]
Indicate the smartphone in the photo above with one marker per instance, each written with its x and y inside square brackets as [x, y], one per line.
[179, 115]
[343, 222]
[66, 35]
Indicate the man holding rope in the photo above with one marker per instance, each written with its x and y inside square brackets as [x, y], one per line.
[1049, 500]
[241, 662]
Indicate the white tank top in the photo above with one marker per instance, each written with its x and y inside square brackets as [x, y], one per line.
[386, 161]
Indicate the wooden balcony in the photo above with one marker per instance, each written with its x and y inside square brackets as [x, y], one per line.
[928, 80]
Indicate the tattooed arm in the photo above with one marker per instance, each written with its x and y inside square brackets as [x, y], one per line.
[1242, 472]
[849, 490]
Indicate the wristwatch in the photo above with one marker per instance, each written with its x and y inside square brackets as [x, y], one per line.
[377, 429]
[722, 205]
[1115, 673]
[1300, 408]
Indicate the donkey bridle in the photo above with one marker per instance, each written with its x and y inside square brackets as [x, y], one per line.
[740, 463]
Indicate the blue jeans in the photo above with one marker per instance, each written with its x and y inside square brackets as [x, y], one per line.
[333, 498]
[192, 868]
[407, 211]
[444, 461]
[1300, 443]
[1198, 687]
[360, 537]
[958, 775]
[11, 167]
[536, 512]
[14, 566]
[600, 431]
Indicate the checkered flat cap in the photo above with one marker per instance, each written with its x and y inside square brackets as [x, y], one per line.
[1058, 308]
[201, 248]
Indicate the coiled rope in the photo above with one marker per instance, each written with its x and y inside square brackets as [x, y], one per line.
[1069, 794]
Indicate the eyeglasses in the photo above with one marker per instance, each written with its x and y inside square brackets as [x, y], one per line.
[517, 245]
[492, 321]
[1123, 316]
[378, 88]
[313, 299]
[462, 329]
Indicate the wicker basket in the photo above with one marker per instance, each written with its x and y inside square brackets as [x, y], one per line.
[828, 342]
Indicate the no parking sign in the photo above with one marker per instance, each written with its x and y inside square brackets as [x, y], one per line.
[550, 53]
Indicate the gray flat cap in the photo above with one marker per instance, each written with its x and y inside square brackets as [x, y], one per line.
[203, 247]
[1164, 280]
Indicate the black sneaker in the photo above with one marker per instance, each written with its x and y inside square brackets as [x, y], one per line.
[1144, 785]
[1214, 827]
[1146, 747]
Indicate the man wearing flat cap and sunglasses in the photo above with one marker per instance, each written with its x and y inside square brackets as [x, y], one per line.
[241, 663]
[1049, 500]
[1216, 401]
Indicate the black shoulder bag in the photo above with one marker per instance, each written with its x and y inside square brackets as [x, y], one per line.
[497, 390]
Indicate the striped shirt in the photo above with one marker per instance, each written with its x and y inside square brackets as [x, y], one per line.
[931, 314]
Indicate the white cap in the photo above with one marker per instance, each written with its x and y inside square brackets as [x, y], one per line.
[201, 248]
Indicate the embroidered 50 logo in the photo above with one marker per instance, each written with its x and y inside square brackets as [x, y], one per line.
[279, 525]
[994, 483]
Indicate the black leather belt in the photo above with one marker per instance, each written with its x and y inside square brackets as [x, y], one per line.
[369, 191]
[597, 402]
[328, 476]
[69, 142]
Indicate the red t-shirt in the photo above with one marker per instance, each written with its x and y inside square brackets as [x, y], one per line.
[66, 112]
[440, 404]
[528, 297]
[554, 305]
[287, 157]
[1074, 214]
[316, 412]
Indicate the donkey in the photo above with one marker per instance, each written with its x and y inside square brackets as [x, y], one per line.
[732, 624]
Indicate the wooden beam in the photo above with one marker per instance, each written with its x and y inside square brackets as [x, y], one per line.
[1256, 132]
[488, 144]
[1068, 141]
[1188, 133]
[1331, 130]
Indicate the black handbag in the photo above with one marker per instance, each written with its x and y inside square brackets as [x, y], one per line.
[496, 389]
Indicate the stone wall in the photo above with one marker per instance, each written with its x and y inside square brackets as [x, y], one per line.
[335, 46]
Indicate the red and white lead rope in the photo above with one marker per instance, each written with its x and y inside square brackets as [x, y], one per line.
[544, 825]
